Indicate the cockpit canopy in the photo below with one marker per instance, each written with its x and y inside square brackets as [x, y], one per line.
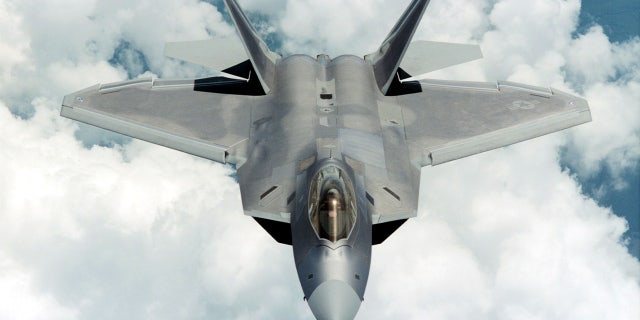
[332, 208]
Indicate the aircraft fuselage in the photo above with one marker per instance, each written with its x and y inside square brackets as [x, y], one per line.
[332, 256]
[326, 116]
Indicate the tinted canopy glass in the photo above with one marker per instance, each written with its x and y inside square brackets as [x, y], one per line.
[332, 208]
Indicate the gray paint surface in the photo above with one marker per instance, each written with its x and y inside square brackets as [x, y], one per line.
[349, 113]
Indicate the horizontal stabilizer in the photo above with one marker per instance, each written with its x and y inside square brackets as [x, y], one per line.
[217, 54]
[426, 56]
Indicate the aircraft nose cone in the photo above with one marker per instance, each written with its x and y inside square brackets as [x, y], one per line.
[334, 300]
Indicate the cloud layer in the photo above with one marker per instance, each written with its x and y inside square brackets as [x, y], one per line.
[140, 231]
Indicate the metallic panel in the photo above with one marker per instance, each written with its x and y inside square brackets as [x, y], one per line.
[171, 114]
[446, 121]
[426, 56]
[217, 54]
[334, 300]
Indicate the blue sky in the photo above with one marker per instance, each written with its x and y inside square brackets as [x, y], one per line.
[95, 225]
[620, 19]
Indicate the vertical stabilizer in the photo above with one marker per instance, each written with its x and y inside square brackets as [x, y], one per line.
[262, 59]
[387, 59]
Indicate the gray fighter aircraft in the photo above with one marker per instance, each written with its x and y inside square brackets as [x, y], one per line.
[328, 151]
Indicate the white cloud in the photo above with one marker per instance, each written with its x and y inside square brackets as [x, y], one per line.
[336, 26]
[523, 244]
[14, 44]
[140, 231]
[453, 21]
[525, 31]
[610, 77]
[19, 301]
[613, 139]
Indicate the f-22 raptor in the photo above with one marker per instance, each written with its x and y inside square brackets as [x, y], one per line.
[328, 151]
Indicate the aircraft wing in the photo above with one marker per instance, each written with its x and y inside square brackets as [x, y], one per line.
[448, 120]
[185, 115]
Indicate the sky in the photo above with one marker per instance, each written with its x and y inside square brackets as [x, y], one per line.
[94, 225]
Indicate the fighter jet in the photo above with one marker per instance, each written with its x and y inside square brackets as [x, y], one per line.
[328, 151]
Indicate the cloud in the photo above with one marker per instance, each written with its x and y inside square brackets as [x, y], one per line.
[20, 301]
[140, 231]
[610, 76]
[13, 48]
[524, 243]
